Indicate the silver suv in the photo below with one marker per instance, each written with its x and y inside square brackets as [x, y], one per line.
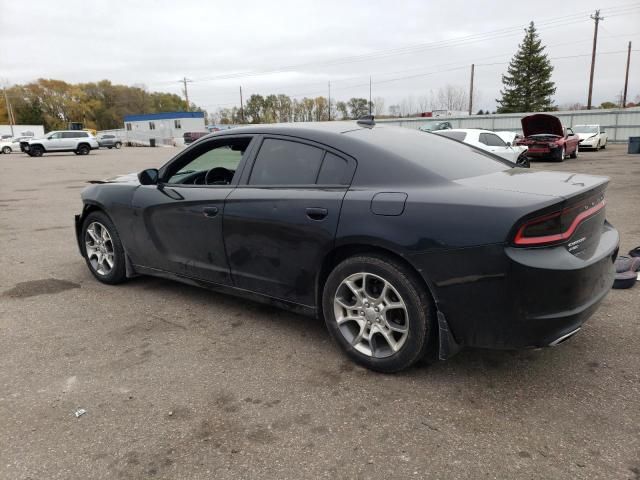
[76, 141]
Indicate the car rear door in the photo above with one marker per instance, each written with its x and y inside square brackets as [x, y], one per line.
[281, 220]
[178, 223]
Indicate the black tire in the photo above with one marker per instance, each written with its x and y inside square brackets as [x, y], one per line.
[118, 145]
[109, 148]
[6, 150]
[575, 153]
[420, 321]
[36, 150]
[561, 155]
[117, 274]
[83, 149]
[604, 146]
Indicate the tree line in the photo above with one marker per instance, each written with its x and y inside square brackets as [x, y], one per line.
[100, 105]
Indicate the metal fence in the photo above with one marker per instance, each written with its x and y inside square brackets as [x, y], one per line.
[618, 123]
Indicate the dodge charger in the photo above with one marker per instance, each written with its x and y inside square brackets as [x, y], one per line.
[407, 245]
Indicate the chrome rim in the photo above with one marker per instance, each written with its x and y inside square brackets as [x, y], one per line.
[371, 315]
[99, 247]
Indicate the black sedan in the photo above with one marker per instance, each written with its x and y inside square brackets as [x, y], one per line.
[408, 245]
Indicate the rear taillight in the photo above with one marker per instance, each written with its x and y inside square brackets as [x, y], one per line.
[558, 226]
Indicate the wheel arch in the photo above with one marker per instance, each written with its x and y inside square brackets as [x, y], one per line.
[445, 340]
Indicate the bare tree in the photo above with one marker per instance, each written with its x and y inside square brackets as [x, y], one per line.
[452, 97]
[378, 105]
[394, 110]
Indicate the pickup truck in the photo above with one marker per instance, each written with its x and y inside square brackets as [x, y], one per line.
[591, 136]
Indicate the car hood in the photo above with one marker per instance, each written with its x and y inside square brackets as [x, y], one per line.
[126, 178]
[541, 123]
[553, 184]
[584, 136]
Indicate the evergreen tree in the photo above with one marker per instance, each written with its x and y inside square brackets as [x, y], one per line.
[527, 84]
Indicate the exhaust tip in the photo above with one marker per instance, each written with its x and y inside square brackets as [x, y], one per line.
[564, 337]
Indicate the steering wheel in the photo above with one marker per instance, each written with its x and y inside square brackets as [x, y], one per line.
[218, 176]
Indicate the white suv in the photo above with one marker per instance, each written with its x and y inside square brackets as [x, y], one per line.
[76, 141]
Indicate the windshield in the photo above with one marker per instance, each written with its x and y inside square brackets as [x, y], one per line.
[430, 127]
[585, 129]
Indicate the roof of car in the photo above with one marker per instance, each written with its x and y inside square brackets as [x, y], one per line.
[465, 130]
[322, 127]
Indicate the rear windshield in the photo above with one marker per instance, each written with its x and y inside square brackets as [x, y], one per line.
[460, 136]
[443, 156]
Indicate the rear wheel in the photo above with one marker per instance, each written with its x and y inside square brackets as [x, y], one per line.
[378, 312]
[36, 151]
[118, 145]
[83, 149]
[562, 155]
[6, 150]
[103, 249]
[604, 145]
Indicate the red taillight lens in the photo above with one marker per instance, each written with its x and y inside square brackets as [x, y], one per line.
[558, 226]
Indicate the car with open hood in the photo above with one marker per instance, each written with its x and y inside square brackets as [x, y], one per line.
[407, 244]
[546, 138]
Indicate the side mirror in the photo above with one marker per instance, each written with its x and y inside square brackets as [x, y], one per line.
[148, 176]
[508, 144]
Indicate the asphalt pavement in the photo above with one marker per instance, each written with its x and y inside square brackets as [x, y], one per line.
[178, 382]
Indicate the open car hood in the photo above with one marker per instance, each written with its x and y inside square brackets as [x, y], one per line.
[541, 123]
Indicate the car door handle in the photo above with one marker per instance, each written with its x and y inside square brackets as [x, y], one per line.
[210, 211]
[317, 213]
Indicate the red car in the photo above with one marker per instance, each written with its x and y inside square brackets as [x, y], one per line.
[545, 137]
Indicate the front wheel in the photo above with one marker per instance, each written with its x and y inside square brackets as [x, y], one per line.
[103, 249]
[6, 150]
[118, 145]
[379, 312]
[575, 153]
[36, 151]
[604, 145]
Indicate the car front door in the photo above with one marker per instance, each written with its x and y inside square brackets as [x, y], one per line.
[53, 142]
[281, 220]
[178, 223]
[572, 141]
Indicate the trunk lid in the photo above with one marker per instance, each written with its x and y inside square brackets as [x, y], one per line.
[541, 123]
[575, 220]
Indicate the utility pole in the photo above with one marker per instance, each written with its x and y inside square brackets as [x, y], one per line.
[369, 95]
[473, 66]
[329, 101]
[241, 106]
[596, 18]
[626, 78]
[9, 110]
[185, 80]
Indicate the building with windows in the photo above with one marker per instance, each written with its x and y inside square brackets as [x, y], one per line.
[166, 128]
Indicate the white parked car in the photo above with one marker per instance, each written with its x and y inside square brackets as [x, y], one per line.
[591, 136]
[9, 145]
[489, 141]
[79, 142]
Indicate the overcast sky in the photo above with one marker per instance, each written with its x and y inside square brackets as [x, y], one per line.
[305, 44]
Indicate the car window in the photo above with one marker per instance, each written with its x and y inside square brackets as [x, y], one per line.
[284, 162]
[206, 156]
[441, 156]
[460, 136]
[333, 170]
[491, 140]
[69, 135]
[55, 135]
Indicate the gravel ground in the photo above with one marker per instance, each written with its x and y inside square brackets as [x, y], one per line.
[179, 382]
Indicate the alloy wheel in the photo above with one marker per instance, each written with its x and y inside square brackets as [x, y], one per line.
[99, 248]
[371, 315]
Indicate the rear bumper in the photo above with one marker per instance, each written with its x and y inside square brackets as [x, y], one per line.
[504, 297]
[543, 152]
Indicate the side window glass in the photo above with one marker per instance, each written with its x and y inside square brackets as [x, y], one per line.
[56, 135]
[284, 162]
[333, 170]
[198, 167]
